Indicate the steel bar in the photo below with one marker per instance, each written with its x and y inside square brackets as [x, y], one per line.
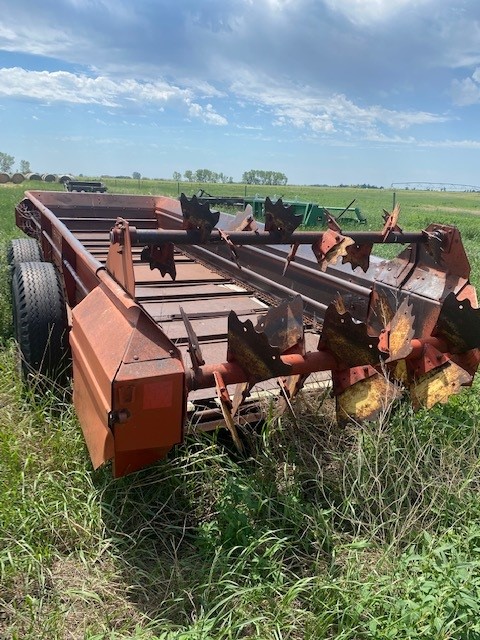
[269, 285]
[258, 263]
[140, 237]
[309, 273]
[311, 362]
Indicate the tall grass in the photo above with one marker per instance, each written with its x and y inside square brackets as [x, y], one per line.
[316, 532]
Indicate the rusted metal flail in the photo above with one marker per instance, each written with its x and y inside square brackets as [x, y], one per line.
[415, 329]
[419, 330]
[199, 228]
[280, 221]
[365, 378]
[198, 217]
[162, 258]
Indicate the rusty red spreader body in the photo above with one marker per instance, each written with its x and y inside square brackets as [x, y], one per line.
[179, 315]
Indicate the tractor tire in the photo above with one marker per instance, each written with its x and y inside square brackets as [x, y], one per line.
[40, 322]
[23, 250]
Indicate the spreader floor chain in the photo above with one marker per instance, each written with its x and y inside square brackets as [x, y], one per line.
[180, 314]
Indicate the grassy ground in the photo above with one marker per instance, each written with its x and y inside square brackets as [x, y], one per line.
[318, 533]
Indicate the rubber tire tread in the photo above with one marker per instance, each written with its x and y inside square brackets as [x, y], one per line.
[23, 250]
[40, 320]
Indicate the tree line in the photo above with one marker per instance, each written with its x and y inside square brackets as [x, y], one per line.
[254, 176]
[7, 161]
[259, 176]
[202, 175]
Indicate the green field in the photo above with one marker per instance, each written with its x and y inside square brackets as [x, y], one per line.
[369, 532]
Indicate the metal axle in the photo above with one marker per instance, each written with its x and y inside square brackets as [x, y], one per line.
[155, 237]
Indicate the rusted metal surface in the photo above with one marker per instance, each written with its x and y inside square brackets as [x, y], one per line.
[161, 258]
[358, 255]
[280, 221]
[396, 338]
[197, 217]
[252, 350]
[178, 310]
[436, 378]
[362, 393]
[195, 235]
[194, 348]
[347, 339]
[132, 379]
[458, 324]
[227, 409]
[283, 325]
[330, 246]
[119, 259]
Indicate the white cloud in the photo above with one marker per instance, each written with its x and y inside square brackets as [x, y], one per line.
[323, 112]
[384, 139]
[25, 36]
[249, 127]
[64, 87]
[6, 33]
[368, 11]
[451, 144]
[207, 114]
[467, 91]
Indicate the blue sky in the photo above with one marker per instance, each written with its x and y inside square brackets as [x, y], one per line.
[325, 91]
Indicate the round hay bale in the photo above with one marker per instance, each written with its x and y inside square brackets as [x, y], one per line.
[34, 176]
[49, 177]
[64, 178]
[4, 177]
[17, 178]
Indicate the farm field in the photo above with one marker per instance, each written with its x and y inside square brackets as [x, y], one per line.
[319, 532]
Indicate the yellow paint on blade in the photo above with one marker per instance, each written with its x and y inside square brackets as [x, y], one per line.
[336, 252]
[400, 335]
[400, 372]
[365, 399]
[438, 385]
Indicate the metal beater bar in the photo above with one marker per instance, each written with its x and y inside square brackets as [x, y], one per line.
[311, 362]
[155, 237]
